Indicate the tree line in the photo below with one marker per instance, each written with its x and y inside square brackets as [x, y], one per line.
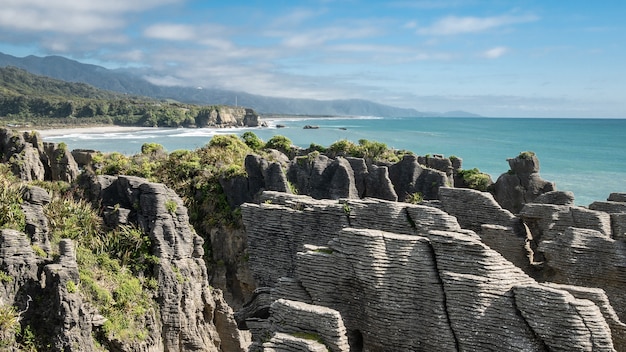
[28, 98]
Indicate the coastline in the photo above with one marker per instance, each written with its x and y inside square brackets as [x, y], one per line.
[52, 132]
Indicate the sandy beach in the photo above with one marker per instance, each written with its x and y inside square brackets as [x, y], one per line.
[88, 129]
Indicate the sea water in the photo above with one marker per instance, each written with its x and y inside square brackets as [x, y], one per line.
[585, 156]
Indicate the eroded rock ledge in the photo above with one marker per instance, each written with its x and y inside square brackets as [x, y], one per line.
[410, 277]
[189, 315]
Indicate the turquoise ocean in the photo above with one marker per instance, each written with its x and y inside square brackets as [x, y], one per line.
[585, 156]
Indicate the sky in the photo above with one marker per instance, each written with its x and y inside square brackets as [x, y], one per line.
[499, 58]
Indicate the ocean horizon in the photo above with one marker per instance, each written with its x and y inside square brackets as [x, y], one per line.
[584, 156]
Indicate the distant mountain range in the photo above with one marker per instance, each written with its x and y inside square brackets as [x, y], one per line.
[125, 81]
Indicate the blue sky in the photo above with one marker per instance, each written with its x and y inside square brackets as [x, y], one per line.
[520, 58]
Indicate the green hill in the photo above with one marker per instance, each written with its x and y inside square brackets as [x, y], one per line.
[28, 99]
[15, 82]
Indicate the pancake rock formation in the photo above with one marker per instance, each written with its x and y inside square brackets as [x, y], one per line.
[388, 276]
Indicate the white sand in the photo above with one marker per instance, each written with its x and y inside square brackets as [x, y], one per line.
[89, 129]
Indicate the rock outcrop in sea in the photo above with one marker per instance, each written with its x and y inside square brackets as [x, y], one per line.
[228, 116]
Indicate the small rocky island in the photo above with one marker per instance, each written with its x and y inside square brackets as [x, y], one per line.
[246, 245]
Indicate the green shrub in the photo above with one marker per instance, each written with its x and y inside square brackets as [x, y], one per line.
[342, 147]
[255, 143]
[9, 326]
[414, 198]
[71, 287]
[475, 179]
[280, 143]
[11, 214]
[115, 164]
[171, 206]
[152, 149]
[526, 155]
[4, 277]
[318, 148]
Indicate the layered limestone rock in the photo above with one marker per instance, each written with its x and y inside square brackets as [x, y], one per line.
[322, 177]
[35, 198]
[307, 325]
[589, 258]
[188, 315]
[18, 261]
[31, 159]
[287, 230]
[473, 208]
[522, 184]
[60, 164]
[466, 295]
[71, 327]
[408, 177]
[21, 154]
[187, 303]
[45, 293]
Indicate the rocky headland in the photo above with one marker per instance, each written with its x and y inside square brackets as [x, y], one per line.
[280, 249]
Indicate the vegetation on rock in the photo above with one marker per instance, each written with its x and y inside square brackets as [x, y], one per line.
[475, 179]
[11, 214]
[370, 150]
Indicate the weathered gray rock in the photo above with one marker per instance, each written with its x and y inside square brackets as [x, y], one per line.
[598, 296]
[36, 221]
[463, 291]
[361, 172]
[60, 164]
[295, 221]
[264, 175]
[323, 323]
[288, 343]
[547, 219]
[187, 306]
[19, 261]
[236, 190]
[32, 159]
[522, 184]
[24, 158]
[589, 258]
[71, 327]
[555, 197]
[378, 185]
[322, 177]
[610, 207]
[232, 272]
[473, 208]
[617, 197]
[618, 226]
[409, 177]
[83, 157]
[582, 319]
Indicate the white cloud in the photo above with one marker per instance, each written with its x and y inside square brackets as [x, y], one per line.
[321, 36]
[70, 16]
[410, 25]
[453, 25]
[495, 53]
[296, 17]
[167, 31]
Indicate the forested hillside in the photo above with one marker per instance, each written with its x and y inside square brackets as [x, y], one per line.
[27, 99]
